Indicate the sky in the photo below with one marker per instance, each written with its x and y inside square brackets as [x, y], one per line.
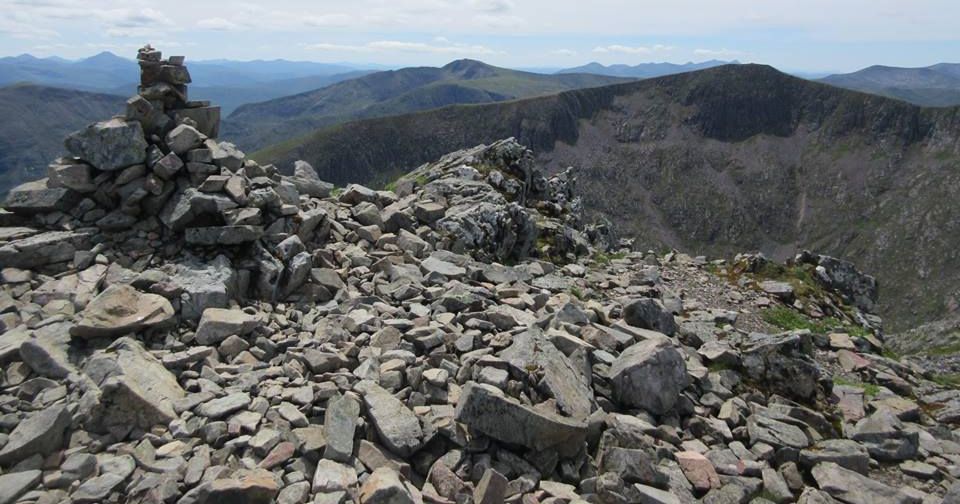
[794, 35]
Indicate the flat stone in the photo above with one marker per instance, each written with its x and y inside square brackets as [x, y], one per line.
[183, 138]
[256, 486]
[486, 409]
[698, 470]
[397, 426]
[40, 433]
[854, 488]
[339, 425]
[332, 476]
[223, 235]
[38, 197]
[223, 406]
[217, 324]
[13, 485]
[491, 489]
[121, 309]
[42, 249]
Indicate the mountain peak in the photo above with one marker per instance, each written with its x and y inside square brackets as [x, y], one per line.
[470, 68]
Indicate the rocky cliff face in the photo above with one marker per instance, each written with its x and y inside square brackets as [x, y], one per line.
[181, 324]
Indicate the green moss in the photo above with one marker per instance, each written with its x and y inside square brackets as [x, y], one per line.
[336, 192]
[604, 258]
[577, 293]
[943, 350]
[791, 320]
[869, 389]
[951, 380]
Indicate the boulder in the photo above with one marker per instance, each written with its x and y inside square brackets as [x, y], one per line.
[218, 323]
[39, 197]
[783, 363]
[207, 284]
[121, 309]
[40, 433]
[397, 426]
[339, 426]
[308, 182]
[109, 145]
[42, 249]
[649, 375]
[854, 488]
[256, 486]
[384, 486]
[487, 410]
[183, 138]
[14, 485]
[135, 389]
[650, 314]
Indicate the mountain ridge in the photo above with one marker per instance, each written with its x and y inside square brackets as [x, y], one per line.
[657, 133]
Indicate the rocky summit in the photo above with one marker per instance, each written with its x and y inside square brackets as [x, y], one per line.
[183, 325]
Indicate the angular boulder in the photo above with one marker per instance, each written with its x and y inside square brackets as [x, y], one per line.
[397, 426]
[42, 249]
[487, 410]
[216, 324]
[40, 433]
[135, 389]
[38, 197]
[649, 375]
[650, 314]
[109, 145]
[854, 488]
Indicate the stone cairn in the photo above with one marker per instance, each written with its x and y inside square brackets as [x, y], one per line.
[179, 324]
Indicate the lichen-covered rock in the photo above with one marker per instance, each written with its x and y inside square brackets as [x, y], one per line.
[649, 375]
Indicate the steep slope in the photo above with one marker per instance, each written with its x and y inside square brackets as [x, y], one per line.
[36, 120]
[644, 70]
[393, 92]
[731, 158]
[936, 85]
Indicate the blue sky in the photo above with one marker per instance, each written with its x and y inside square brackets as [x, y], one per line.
[808, 35]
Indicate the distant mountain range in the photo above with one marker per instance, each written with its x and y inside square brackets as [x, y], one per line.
[36, 120]
[393, 92]
[727, 159]
[644, 70]
[936, 85]
[227, 83]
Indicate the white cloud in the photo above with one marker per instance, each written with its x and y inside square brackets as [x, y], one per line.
[218, 24]
[406, 47]
[717, 53]
[492, 5]
[564, 52]
[622, 49]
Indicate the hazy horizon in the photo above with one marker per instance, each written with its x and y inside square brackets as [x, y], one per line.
[815, 36]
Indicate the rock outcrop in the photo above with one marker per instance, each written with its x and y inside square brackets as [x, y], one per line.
[197, 328]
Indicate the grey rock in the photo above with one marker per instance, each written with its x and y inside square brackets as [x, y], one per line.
[784, 363]
[223, 235]
[97, 489]
[13, 485]
[308, 182]
[218, 323]
[135, 389]
[491, 489]
[183, 138]
[339, 425]
[121, 309]
[43, 249]
[650, 314]
[109, 145]
[396, 425]
[487, 410]
[207, 284]
[776, 433]
[649, 375]
[854, 488]
[223, 406]
[844, 452]
[40, 433]
[384, 486]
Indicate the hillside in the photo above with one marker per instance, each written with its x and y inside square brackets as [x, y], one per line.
[36, 120]
[389, 93]
[731, 158]
[934, 86]
[644, 70]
